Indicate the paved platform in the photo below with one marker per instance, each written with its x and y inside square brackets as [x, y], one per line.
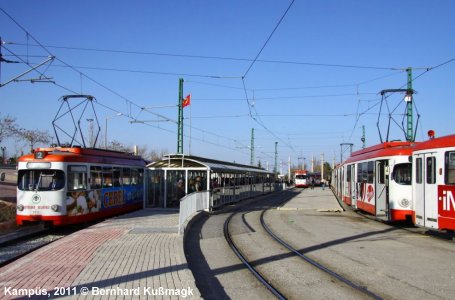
[319, 199]
[135, 256]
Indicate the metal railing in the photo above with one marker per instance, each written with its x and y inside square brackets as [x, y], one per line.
[207, 200]
[191, 204]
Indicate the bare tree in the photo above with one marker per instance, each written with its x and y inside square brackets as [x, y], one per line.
[155, 155]
[118, 146]
[34, 136]
[8, 127]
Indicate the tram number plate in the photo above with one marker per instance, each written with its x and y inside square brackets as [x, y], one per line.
[35, 212]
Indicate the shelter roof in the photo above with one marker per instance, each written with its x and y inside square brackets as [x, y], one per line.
[182, 161]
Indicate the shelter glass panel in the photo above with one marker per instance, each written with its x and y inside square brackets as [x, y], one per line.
[197, 181]
[175, 187]
[155, 189]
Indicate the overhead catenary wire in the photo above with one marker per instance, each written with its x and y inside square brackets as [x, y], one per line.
[109, 89]
[252, 108]
[268, 39]
[206, 57]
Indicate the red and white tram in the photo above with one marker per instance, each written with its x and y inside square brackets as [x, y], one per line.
[434, 183]
[377, 180]
[72, 185]
[301, 179]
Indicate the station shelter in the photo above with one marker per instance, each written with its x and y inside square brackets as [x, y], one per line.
[179, 175]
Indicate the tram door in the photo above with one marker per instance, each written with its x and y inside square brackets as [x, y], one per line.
[425, 190]
[382, 189]
[352, 186]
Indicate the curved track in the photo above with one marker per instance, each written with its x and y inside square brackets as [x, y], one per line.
[244, 260]
[272, 287]
[315, 263]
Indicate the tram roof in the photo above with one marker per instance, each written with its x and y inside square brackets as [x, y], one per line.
[182, 161]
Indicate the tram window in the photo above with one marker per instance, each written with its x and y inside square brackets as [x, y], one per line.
[381, 172]
[370, 171]
[41, 180]
[450, 168]
[431, 169]
[126, 176]
[419, 170]
[402, 173]
[141, 177]
[134, 176]
[107, 177]
[116, 177]
[348, 175]
[95, 177]
[359, 172]
[77, 178]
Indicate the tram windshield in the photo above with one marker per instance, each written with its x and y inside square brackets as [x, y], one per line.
[40, 180]
[402, 173]
[301, 176]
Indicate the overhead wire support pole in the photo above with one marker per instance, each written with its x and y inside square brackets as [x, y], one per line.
[409, 112]
[275, 169]
[180, 119]
[252, 147]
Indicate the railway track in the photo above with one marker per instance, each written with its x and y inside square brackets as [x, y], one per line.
[315, 263]
[24, 241]
[245, 261]
[273, 287]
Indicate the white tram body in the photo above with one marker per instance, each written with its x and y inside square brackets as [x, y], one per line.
[377, 180]
[301, 179]
[434, 183]
[73, 185]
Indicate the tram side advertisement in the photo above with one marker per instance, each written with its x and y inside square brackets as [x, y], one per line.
[446, 207]
[85, 202]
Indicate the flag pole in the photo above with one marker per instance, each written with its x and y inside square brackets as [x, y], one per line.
[189, 146]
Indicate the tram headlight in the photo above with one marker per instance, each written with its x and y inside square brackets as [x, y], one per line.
[20, 207]
[404, 202]
[54, 207]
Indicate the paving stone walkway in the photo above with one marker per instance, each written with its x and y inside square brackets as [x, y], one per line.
[135, 256]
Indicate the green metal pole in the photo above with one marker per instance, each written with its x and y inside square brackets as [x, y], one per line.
[409, 113]
[180, 119]
[275, 170]
[252, 147]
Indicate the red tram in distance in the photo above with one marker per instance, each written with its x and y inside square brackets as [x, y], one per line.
[301, 179]
[72, 185]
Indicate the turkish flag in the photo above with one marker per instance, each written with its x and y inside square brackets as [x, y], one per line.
[186, 100]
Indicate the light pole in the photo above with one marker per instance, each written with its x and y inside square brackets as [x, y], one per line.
[105, 129]
[3, 155]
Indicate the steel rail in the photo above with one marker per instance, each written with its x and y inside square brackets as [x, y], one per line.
[239, 254]
[315, 263]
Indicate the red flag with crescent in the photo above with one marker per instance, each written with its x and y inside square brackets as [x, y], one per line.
[186, 100]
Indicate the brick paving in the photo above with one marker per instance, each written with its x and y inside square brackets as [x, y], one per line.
[136, 256]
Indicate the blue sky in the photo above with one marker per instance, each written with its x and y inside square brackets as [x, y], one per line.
[313, 87]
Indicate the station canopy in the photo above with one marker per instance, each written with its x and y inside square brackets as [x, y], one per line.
[182, 161]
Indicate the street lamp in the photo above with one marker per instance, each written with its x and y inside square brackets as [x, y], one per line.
[105, 132]
[3, 155]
